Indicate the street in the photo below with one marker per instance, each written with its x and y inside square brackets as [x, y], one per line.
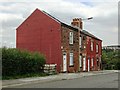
[94, 81]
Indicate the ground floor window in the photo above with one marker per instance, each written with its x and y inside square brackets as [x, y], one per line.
[71, 59]
[92, 62]
[80, 60]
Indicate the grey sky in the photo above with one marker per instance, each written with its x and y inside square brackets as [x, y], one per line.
[103, 25]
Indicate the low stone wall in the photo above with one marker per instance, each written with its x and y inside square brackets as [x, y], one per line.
[50, 68]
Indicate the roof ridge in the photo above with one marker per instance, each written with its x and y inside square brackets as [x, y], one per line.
[90, 34]
[51, 16]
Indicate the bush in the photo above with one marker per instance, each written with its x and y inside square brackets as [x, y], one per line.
[111, 59]
[18, 62]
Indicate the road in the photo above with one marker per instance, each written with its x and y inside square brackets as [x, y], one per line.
[95, 81]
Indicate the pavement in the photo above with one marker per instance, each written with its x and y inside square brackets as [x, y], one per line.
[61, 76]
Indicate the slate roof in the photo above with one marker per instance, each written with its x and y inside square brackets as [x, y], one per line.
[52, 16]
[89, 34]
[75, 28]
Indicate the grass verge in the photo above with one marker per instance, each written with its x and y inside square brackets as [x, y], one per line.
[26, 76]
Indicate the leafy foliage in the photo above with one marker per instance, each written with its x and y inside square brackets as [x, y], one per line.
[111, 59]
[20, 62]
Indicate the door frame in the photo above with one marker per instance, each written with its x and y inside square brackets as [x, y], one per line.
[88, 65]
[84, 63]
[64, 62]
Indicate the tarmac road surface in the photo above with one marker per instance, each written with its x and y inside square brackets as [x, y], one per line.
[94, 81]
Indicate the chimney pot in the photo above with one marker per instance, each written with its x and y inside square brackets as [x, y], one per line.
[77, 22]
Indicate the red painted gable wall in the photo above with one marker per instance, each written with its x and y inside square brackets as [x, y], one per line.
[41, 33]
[93, 54]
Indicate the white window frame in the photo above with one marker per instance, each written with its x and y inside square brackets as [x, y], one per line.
[71, 59]
[80, 41]
[80, 60]
[97, 47]
[92, 44]
[71, 38]
[92, 62]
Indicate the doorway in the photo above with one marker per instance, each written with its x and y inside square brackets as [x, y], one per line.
[64, 62]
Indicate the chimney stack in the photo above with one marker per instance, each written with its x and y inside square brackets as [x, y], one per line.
[77, 22]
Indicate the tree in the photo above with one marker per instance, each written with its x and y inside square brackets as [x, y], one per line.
[110, 59]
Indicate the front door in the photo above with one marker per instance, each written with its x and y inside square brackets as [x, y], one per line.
[84, 64]
[64, 62]
[88, 65]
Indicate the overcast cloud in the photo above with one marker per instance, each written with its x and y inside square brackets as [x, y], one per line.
[103, 25]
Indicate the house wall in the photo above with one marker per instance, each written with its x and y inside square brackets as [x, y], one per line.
[83, 50]
[86, 52]
[41, 33]
[66, 47]
[93, 54]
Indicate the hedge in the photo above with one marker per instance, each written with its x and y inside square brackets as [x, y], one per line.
[20, 62]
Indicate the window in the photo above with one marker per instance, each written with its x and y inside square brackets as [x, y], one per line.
[71, 59]
[80, 41]
[92, 62]
[97, 48]
[80, 60]
[71, 38]
[91, 45]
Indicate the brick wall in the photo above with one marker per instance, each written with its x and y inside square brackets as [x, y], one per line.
[70, 48]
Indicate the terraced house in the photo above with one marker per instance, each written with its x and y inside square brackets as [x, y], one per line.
[68, 46]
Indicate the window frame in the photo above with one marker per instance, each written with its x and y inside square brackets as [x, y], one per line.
[91, 46]
[70, 37]
[92, 62]
[80, 60]
[71, 63]
[97, 48]
[80, 41]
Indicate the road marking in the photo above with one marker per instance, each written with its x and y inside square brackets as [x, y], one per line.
[15, 85]
[19, 84]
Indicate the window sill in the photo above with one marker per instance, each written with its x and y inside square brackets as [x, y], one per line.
[71, 66]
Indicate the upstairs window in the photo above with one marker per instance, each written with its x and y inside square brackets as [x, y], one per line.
[97, 47]
[71, 59]
[91, 46]
[71, 37]
[80, 41]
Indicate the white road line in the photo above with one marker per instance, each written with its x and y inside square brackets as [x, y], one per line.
[12, 85]
[24, 83]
